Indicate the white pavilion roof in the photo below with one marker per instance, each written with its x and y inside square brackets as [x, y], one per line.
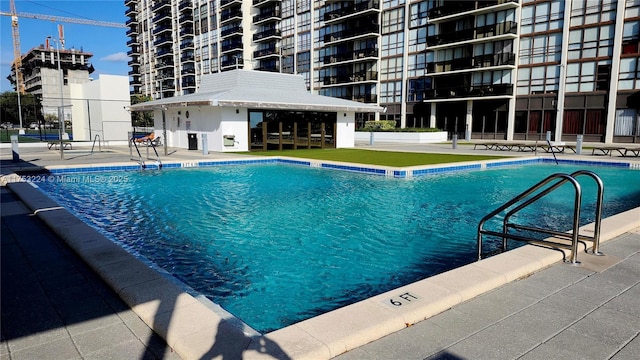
[257, 89]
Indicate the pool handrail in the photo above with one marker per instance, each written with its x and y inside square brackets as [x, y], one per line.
[574, 235]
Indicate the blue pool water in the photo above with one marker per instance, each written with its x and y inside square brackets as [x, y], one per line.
[276, 244]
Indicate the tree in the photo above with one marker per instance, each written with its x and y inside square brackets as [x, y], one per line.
[141, 118]
[29, 104]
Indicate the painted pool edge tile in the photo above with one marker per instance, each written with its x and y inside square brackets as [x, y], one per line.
[418, 301]
[356, 326]
[402, 172]
[292, 341]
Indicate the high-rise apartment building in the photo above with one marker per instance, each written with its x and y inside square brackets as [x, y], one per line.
[42, 78]
[492, 69]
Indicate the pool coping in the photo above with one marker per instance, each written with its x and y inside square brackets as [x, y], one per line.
[193, 327]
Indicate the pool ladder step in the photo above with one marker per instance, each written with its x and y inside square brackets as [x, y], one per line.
[567, 240]
[140, 160]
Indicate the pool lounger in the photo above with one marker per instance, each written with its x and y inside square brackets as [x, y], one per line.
[56, 145]
[553, 148]
[608, 150]
[632, 151]
[487, 146]
[525, 147]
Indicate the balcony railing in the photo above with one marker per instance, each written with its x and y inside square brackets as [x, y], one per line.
[230, 14]
[185, 4]
[186, 18]
[267, 34]
[264, 15]
[189, 71]
[352, 9]
[481, 32]
[350, 78]
[349, 56]
[364, 98]
[160, 4]
[163, 15]
[162, 40]
[186, 31]
[349, 33]
[160, 28]
[186, 45]
[232, 62]
[164, 52]
[224, 3]
[473, 91]
[455, 7]
[482, 61]
[231, 45]
[164, 64]
[233, 30]
[263, 2]
[266, 52]
[187, 57]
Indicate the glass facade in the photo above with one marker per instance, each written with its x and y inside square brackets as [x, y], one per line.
[510, 69]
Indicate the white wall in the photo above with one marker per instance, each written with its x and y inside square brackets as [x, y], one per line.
[100, 108]
[216, 122]
[345, 128]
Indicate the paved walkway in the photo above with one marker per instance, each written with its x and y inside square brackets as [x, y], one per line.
[54, 306]
[564, 312]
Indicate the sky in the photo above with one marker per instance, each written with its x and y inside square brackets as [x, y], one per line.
[107, 44]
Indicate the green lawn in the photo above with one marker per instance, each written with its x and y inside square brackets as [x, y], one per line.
[386, 158]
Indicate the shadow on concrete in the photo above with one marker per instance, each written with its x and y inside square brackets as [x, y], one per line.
[54, 302]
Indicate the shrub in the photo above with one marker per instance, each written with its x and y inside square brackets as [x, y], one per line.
[389, 126]
[380, 125]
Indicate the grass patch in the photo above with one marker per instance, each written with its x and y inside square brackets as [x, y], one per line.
[372, 157]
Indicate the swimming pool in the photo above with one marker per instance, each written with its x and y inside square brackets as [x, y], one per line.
[289, 242]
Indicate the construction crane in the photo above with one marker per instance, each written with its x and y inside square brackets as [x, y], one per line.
[17, 54]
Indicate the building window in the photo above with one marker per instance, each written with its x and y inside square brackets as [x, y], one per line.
[418, 39]
[418, 14]
[585, 12]
[417, 88]
[629, 78]
[388, 4]
[541, 48]
[393, 20]
[632, 9]
[391, 68]
[581, 77]
[391, 92]
[540, 17]
[417, 65]
[631, 37]
[627, 122]
[304, 62]
[591, 42]
[287, 7]
[304, 22]
[392, 44]
[538, 80]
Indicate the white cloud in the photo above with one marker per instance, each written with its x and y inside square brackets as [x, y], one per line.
[117, 57]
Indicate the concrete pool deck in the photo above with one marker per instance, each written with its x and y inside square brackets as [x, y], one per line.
[178, 317]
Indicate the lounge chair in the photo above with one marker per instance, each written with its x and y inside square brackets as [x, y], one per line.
[487, 145]
[632, 151]
[556, 147]
[154, 142]
[608, 150]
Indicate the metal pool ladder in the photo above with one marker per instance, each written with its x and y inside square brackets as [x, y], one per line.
[140, 158]
[523, 200]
